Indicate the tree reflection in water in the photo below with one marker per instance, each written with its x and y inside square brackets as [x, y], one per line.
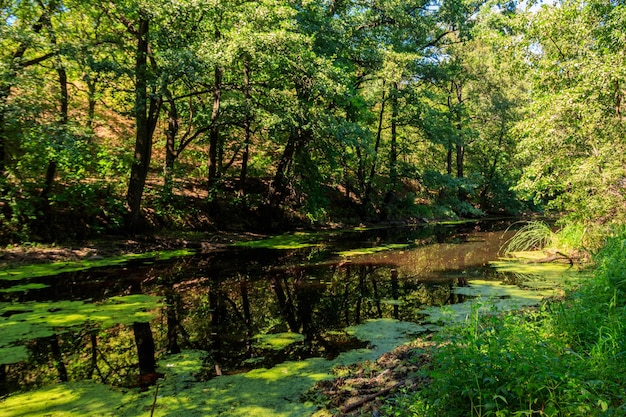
[222, 302]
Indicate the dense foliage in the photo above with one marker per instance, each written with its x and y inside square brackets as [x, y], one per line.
[248, 113]
[564, 359]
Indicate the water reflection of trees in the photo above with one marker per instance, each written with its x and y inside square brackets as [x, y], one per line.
[219, 304]
[223, 314]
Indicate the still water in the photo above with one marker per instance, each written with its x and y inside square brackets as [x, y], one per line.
[245, 307]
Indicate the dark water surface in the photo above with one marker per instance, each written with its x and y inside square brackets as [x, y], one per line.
[228, 302]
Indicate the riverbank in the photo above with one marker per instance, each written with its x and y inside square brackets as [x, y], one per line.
[561, 359]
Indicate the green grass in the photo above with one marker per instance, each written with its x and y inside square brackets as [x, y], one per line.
[566, 358]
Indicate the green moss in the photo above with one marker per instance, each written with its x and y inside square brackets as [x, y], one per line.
[55, 268]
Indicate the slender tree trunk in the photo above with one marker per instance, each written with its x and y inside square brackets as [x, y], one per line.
[369, 186]
[57, 356]
[93, 338]
[145, 348]
[247, 316]
[63, 119]
[393, 154]
[172, 323]
[460, 145]
[297, 140]
[146, 114]
[214, 133]
[4, 383]
[460, 156]
[91, 101]
[170, 145]
[286, 305]
[247, 122]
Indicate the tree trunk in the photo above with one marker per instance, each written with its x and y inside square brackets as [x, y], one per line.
[247, 122]
[170, 145]
[393, 154]
[460, 156]
[59, 363]
[146, 113]
[171, 302]
[286, 305]
[145, 348]
[368, 186]
[63, 119]
[215, 130]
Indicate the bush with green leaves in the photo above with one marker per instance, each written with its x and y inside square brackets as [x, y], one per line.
[563, 359]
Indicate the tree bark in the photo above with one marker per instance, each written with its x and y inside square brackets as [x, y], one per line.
[170, 145]
[59, 363]
[215, 130]
[247, 125]
[146, 114]
[368, 186]
[393, 154]
[63, 114]
[145, 348]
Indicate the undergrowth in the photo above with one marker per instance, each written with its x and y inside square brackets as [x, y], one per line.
[565, 358]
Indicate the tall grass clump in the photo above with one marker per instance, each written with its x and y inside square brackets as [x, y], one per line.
[564, 358]
[534, 235]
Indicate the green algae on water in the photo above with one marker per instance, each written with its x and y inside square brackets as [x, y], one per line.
[24, 287]
[56, 268]
[297, 240]
[490, 297]
[277, 341]
[31, 320]
[272, 392]
[372, 250]
[70, 399]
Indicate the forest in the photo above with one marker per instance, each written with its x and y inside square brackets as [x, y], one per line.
[122, 119]
[126, 116]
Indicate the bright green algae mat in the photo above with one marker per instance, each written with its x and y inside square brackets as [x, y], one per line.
[536, 281]
[55, 268]
[20, 322]
[274, 392]
[490, 297]
[297, 240]
[372, 250]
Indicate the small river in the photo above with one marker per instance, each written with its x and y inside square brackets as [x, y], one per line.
[245, 307]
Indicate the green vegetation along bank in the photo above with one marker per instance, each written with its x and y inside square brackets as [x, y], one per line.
[565, 358]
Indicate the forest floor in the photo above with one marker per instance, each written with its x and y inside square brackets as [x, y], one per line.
[361, 389]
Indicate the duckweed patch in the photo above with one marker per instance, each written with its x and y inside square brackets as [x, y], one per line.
[277, 341]
[275, 392]
[24, 287]
[489, 297]
[56, 268]
[26, 321]
[372, 250]
[541, 275]
[287, 241]
[74, 399]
